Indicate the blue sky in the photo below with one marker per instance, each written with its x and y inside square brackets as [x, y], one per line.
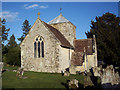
[79, 13]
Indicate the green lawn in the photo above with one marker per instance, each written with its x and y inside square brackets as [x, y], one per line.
[36, 80]
[11, 67]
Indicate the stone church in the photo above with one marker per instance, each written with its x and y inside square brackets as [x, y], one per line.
[53, 47]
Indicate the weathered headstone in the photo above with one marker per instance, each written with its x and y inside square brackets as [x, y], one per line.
[66, 73]
[20, 72]
[73, 84]
[97, 71]
[87, 80]
[109, 76]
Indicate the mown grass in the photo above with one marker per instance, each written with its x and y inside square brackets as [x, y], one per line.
[11, 67]
[36, 80]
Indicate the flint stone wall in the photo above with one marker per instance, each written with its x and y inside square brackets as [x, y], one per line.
[67, 29]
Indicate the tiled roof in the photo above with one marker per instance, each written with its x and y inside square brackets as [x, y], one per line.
[80, 44]
[59, 19]
[60, 37]
[77, 58]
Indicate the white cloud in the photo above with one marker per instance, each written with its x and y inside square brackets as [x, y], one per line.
[34, 6]
[9, 16]
[44, 6]
[25, 5]
[30, 6]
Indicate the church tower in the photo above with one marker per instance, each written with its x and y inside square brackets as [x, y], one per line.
[65, 27]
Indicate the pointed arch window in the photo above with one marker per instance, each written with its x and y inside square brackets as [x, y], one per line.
[39, 47]
[42, 46]
[35, 49]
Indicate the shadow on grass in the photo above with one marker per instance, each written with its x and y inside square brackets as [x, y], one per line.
[67, 87]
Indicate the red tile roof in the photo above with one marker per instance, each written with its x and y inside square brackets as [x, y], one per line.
[80, 44]
[77, 58]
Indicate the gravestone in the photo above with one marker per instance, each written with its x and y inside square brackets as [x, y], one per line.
[20, 72]
[73, 84]
[66, 73]
[110, 77]
[88, 81]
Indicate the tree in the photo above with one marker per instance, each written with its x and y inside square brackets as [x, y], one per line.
[13, 55]
[26, 27]
[12, 43]
[3, 36]
[107, 31]
[4, 33]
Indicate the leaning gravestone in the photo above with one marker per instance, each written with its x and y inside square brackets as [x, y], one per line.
[20, 72]
[87, 80]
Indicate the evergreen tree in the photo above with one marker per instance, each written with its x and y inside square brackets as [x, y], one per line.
[107, 31]
[12, 43]
[26, 27]
[4, 33]
[3, 37]
[13, 55]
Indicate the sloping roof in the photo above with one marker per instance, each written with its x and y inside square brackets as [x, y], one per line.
[77, 58]
[64, 42]
[60, 37]
[80, 44]
[59, 19]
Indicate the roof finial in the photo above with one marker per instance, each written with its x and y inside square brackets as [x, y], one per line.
[60, 11]
[38, 14]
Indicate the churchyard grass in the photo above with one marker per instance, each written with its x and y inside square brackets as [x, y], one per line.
[36, 79]
[11, 67]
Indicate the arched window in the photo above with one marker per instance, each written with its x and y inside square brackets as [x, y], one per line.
[39, 47]
[42, 46]
[35, 49]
